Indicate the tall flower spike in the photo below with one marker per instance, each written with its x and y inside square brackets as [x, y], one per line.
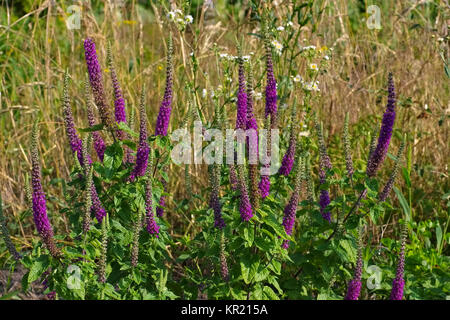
[324, 164]
[99, 144]
[241, 116]
[245, 208]
[264, 184]
[347, 149]
[96, 81]
[88, 191]
[135, 245]
[152, 226]
[162, 122]
[143, 149]
[38, 197]
[119, 102]
[252, 143]
[388, 187]
[214, 179]
[6, 237]
[384, 138]
[223, 259]
[354, 286]
[104, 249]
[309, 181]
[398, 284]
[291, 209]
[288, 160]
[271, 87]
[74, 140]
[76, 146]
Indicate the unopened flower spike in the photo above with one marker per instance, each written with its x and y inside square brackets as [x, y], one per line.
[354, 286]
[388, 187]
[99, 144]
[291, 209]
[152, 226]
[398, 284]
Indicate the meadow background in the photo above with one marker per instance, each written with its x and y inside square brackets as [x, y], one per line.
[36, 47]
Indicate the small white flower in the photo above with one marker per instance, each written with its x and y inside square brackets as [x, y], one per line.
[312, 47]
[304, 134]
[204, 93]
[171, 15]
[212, 94]
[326, 58]
[178, 11]
[188, 19]
[280, 28]
[305, 126]
[290, 24]
[191, 54]
[181, 21]
[440, 39]
[313, 66]
[251, 53]
[298, 78]
[425, 106]
[223, 55]
[258, 95]
[246, 58]
[278, 46]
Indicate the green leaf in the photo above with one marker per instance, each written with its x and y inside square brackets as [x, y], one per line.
[39, 266]
[270, 293]
[96, 127]
[438, 237]
[403, 203]
[124, 127]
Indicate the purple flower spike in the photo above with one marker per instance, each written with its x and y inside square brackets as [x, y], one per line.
[288, 160]
[152, 226]
[241, 118]
[398, 284]
[397, 289]
[245, 207]
[264, 186]
[271, 88]
[76, 146]
[39, 206]
[384, 138]
[96, 81]
[354, 288]
[162, 122]
[143, 149]
[99, 144]
[290, 210]
[97, 207]
[324, 201]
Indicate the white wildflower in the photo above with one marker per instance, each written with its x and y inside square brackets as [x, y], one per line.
[314, 67]
[298, 78]
[280, 28]
[257, 95]
[188, 19]
[171, 15]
